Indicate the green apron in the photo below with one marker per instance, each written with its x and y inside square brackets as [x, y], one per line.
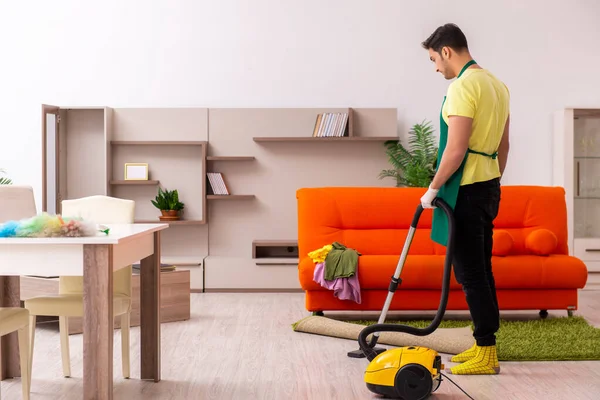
[449, 191]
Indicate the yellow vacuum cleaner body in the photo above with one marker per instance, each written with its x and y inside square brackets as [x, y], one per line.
[405, 373]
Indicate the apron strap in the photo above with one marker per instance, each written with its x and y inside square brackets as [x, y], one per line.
[492, 156]
[464, 68]
[495, 154]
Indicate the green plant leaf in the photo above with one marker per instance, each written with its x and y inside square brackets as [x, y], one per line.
[415, 166]
[167, 200]
[5, 181]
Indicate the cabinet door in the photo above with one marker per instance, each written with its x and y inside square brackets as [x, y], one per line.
[50, 159]
[586, 159]
[564, 172]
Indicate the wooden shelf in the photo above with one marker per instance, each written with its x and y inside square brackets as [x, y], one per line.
[157, 143]
[275, 243]
[125, 182]
[275, 251]
[230, 158]
[276, 261]
[586, 112]
[230, 196]
[180, 222]
[182, 260]
[325, 139]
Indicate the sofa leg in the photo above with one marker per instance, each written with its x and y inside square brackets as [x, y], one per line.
[570, 313]
[543, 314]
[318, 313]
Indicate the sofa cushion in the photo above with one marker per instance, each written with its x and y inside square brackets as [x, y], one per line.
[371, 220]
[556, 271]
[502, 243]
[419, 272]
[541, 242]
[376, 220]
[425, 272]
[375, 272]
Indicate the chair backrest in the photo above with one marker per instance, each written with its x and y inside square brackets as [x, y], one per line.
[16, 202]
[101, 210]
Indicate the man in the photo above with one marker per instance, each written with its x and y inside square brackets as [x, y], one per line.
[472, 156]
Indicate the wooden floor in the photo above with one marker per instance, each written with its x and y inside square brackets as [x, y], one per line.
[241, 346]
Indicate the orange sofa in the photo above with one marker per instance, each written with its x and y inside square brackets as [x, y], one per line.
[531, 265]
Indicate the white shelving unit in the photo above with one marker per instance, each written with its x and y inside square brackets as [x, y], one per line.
[263, 154]
[577, 169]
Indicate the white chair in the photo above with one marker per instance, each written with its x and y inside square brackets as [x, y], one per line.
[17, 319]
[69, 300]
[17, 202]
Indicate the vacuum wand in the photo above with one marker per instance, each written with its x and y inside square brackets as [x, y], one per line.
[396, 280]
[369, 350]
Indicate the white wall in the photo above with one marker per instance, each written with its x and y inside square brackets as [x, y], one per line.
[262, 53]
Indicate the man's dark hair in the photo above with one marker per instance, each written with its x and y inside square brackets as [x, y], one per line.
[448, 35]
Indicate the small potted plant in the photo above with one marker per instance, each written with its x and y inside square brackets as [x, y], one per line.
[167, 201]
[3, 180]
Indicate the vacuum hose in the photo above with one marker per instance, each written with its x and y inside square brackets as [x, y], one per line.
[383, 327]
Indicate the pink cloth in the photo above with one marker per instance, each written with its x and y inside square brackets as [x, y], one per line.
[343, 288]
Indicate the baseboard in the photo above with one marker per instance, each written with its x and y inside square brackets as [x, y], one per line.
[593, 282]
[592, 286]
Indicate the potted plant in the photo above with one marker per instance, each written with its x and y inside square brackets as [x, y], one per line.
[167, 201]
[3, 180]
[414, 167]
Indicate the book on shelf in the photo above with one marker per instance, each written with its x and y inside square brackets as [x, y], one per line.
[331, 125]
[216, 184]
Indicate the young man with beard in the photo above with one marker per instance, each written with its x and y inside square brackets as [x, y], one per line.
[473, 150]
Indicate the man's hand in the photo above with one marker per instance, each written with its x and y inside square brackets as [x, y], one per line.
[428, 198]
[459, 132]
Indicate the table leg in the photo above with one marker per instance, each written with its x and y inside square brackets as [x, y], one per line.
[150, 313]
[10, 296]
[97, 322]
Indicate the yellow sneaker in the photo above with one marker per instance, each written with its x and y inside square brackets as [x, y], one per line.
[465, 355]
[485, 362]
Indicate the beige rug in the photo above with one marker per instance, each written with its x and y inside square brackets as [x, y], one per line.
[442, 340]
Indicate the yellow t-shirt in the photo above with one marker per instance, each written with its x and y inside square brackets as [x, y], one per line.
[479, 95]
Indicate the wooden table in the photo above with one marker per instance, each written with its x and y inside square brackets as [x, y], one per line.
[94, 258]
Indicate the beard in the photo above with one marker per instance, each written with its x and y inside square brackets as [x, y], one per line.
[445, 70]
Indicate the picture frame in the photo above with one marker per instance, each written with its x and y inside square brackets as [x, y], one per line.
[136, 171]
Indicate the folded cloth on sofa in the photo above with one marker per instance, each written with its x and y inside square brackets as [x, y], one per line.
[341, 262]
[343, 288]
[319, 255]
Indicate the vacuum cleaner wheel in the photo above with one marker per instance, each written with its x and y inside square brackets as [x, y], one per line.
[413, 382]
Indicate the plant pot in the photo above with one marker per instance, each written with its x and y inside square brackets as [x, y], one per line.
[169, 215]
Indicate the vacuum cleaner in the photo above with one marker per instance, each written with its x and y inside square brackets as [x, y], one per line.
[411, 372]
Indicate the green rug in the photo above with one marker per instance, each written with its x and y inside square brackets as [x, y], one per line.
[551, 339]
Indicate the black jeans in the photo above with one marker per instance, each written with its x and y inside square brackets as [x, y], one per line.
[476, 208]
